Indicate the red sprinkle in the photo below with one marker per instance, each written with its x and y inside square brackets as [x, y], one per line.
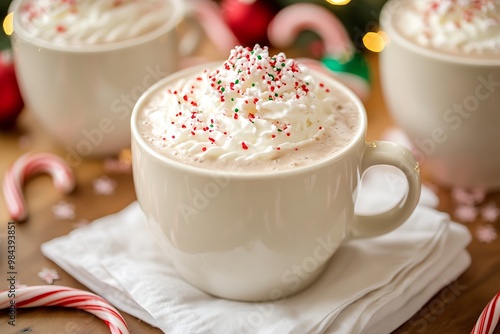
[204, 149]
[244, 146]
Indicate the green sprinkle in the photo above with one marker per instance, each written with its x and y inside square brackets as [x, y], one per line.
[236, 82]
[259, 57]
[232, 99]
[236, 110]
[222, 89]
[282, 64]
[219, 82]
[279, 130]
[211, 125]
[272, 76]
[276, 94]
[253, 85]
[270, 98]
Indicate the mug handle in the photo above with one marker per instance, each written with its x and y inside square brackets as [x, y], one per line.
[387, 153]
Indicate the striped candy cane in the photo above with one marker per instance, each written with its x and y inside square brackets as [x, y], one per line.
[489, 317]
[340, 58]
[53, 295]
[27, 166]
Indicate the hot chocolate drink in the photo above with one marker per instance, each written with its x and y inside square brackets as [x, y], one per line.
[469, 28]
[244, 167]
[254, 112]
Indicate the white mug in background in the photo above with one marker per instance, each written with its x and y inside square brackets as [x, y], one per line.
[448, 105]
[83, 95]
[262, 235]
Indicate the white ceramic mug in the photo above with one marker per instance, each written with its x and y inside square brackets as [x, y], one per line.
[247, 235]
[83, 96]
[448, 105]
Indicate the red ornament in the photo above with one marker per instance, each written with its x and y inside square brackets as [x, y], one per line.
[11, 102]
[249, 19]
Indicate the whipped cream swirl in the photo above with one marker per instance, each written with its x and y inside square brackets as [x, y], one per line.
[87, 22]
[253, 107]
[463, 26]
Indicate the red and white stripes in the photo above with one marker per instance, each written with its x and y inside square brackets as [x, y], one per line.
[489, 317]
[25, 167]
[53, 295]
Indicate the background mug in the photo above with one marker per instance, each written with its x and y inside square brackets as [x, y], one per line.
[238, 235]
[448, 105]
[83, 95]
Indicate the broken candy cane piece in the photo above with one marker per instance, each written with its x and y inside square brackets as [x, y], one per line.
[53, 295]
[27, 166]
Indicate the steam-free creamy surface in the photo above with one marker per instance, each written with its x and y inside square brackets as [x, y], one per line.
[464, 27]
[254, 111]
[87, 22]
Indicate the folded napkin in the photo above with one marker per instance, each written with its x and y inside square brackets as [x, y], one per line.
[371, 286]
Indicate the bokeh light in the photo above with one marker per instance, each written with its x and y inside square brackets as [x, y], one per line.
[338, 2]
[374, 41]
[8, 24]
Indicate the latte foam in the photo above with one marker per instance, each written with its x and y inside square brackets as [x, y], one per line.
[88, 22]
[463, 27]
[253, 111]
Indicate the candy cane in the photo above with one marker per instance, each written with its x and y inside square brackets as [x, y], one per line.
[293, 19]
[53, 295]
[489, 317]
[25, 167]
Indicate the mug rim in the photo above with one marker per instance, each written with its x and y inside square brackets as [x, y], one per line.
[359, 136]
[387, 25]
[175, 16]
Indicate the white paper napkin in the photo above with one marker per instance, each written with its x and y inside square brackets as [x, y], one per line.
[371, 286]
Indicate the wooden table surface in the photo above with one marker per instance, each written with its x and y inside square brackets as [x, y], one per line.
[473, 289]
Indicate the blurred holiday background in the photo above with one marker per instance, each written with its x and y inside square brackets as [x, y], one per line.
[318, 28]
